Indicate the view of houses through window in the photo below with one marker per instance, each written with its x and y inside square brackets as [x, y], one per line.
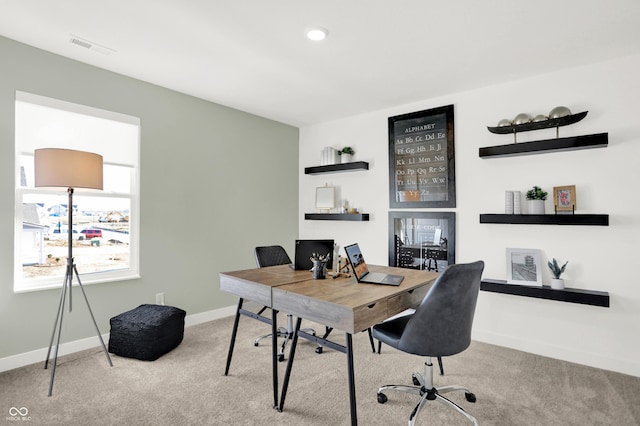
[104, 223]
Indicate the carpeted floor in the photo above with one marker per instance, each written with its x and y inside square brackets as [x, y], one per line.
[188, 387]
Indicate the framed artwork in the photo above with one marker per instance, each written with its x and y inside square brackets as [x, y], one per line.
[421, 240]
[523, 267]
[422, 159]
[564, 198]
[325, 198]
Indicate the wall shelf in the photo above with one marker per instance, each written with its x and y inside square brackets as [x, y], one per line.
[600, 140]
[358, 217]
[332, 168]
[546, 219]
[571, 295]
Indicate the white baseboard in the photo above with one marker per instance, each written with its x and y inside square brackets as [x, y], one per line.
[563, 353]
[39, 355]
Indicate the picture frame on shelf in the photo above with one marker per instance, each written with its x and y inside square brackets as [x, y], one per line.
[564, 198]
[325, 198]
[422, 159]
[524, 266]
[422, 240]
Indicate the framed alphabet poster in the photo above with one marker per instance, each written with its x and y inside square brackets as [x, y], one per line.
[421, 159]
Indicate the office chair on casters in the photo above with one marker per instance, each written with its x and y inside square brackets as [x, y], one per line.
[272, 256]
[440, 326]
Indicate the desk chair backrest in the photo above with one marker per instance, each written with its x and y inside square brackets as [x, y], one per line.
[441, 325]
[271, 256]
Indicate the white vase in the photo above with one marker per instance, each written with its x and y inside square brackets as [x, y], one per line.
[345, 158]
[535, 206]
[557, 283]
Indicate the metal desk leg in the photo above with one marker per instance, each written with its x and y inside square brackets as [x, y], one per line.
[287, 374]
[352, 382]
[274, 355]
[233, 336]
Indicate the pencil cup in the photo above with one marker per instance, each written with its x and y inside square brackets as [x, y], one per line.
[319, 269]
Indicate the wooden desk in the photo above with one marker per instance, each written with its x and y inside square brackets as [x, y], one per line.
[339, 303]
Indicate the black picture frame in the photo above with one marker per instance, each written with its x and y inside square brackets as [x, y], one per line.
[422, 159]
[411, 240]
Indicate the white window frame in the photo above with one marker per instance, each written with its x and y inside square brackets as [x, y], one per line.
[133, 271]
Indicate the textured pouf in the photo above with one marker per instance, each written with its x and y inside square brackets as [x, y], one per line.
[146, 332]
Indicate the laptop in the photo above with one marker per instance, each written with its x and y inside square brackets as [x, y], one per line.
[361, 271]
[306, 248]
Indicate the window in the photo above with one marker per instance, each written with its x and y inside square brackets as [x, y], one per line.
[105, 223]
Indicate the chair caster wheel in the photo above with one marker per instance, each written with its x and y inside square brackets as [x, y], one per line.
[382, 398]
[470, 396]
[255, 343]
[416, 382]
[280, 357]
[319, 350]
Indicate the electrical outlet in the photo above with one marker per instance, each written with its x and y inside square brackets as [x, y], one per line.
[159, 298]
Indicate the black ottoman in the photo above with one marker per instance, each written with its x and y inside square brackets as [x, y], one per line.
[146, 332]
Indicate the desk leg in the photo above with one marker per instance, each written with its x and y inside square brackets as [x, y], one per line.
[352, 381]
[233, 336]
[274, 354]
[287, 374]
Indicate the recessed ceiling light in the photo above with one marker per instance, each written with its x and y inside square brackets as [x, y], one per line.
[316, 33]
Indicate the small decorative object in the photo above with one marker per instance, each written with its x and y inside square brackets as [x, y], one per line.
[319, 268]
[535, 200]
[329, 156]
[559, 111]
[346, 154]
[557, 283]
[522, 118]
[504, 122]
[508, 202]
[517, 205]
[564, 198]
[523, 267]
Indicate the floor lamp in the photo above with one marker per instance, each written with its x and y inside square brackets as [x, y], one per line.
[71, 169]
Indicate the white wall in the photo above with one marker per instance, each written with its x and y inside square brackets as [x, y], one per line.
[600, 258]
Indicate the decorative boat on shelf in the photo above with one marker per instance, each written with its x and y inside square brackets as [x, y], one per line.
[537, 125]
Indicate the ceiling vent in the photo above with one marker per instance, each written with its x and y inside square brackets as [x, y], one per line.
[87, 44]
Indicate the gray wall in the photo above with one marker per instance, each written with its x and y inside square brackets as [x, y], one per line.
[215, 182]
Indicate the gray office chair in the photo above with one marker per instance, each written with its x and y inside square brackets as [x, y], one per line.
[440, 326]
[271, 256]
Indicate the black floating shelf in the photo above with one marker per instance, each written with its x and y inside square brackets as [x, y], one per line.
[599, 140]
[538, 125]
[546, 219]
[571, 295]
[357, 217]
[331, 168]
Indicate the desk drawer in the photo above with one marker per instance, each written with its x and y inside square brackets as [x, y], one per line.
[366, 316]
[406, 300]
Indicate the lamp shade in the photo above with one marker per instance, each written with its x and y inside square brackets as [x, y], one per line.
[67, 168]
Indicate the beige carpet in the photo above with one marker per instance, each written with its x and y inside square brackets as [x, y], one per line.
[188, 387]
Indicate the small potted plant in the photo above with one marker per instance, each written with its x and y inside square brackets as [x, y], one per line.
[557, 283]
[346, 154]
[535, 200]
